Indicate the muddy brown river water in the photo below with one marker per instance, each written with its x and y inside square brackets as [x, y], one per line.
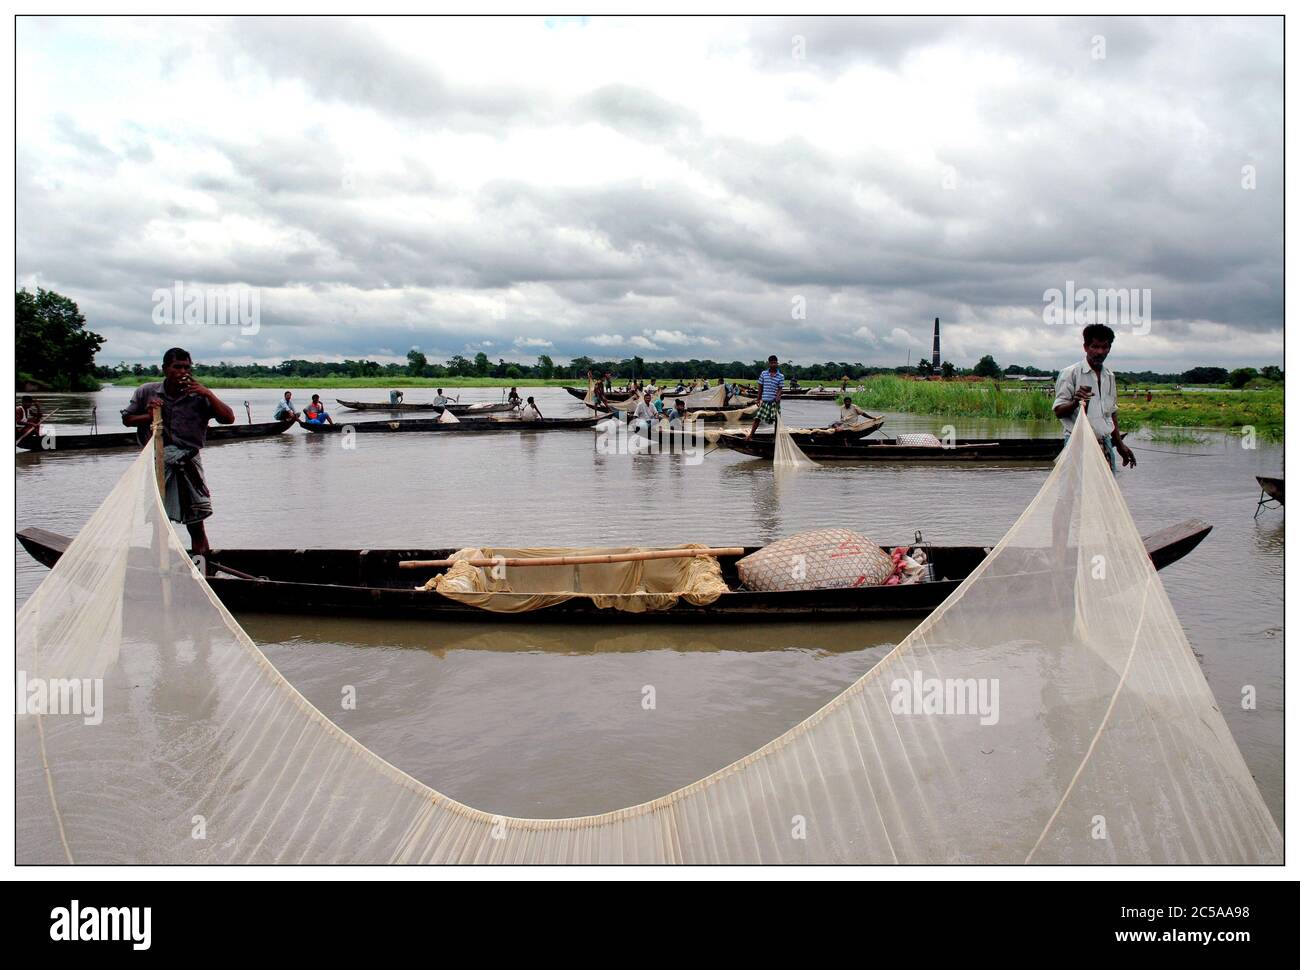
[548, 720]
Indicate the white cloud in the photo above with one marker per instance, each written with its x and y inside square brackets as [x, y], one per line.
[522, 342]
[381, 181]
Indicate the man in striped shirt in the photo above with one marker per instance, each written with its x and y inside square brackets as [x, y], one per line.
[769, 396]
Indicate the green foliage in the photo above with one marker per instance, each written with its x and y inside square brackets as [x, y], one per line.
[52, 344]
[545, 367]
[987, 367]
[481, 364]
[959, 399]
[1242, 376]
[1205, 375]
[417, 363]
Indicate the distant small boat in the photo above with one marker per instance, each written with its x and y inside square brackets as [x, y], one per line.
[888, 449]
[486, 407]
[487, 424]
[217, 434]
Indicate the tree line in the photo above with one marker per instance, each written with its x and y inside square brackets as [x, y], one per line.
[55, 351]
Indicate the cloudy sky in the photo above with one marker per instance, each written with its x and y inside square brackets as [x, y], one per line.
[663, 187]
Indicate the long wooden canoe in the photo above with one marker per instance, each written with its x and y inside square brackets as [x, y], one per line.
[369, 582]
[812, 438]
[217, 434]
[888, 449]
[456, 409]
[614, 396]
[466, 425]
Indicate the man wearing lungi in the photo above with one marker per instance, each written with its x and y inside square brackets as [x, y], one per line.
[186, 408]
[769, 396]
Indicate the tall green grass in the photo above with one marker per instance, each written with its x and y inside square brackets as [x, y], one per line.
[1262, 409]
[955, 399]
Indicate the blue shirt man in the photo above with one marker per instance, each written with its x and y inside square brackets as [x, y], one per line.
[769, 396]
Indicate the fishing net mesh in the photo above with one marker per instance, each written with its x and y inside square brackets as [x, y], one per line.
[786, 454]
[1051, 710]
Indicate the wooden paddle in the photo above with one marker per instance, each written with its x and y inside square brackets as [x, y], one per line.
[44, 418]
[576, 560]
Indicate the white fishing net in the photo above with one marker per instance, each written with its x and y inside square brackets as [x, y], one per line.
[1051, 710]
[787, 455]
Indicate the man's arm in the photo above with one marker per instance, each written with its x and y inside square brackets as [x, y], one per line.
[138, 412]
[1068, 396]
[220, 410]
[1123, 450]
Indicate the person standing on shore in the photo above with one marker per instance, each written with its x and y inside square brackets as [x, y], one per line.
[1091, 383]
[769, 396]
[186, 407]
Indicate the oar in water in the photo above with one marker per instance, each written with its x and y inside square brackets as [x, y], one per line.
[576, 560]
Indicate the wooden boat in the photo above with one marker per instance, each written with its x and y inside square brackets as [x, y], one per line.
[815, 437]
[1270, 490]
[888, 449]
[615, 395]
[368, 582]
[1272, 487]
[456, 409]
[712, 416]
[217, 434]
[487, 423]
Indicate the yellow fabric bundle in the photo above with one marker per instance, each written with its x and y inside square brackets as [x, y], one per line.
[634, 587]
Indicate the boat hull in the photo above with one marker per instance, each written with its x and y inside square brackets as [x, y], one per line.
[456, 409]
[368, 583]
[217, 434]
[463, 426]
[887, 449]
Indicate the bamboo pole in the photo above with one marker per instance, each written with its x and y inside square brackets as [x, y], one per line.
[577, 560]
[157, 442]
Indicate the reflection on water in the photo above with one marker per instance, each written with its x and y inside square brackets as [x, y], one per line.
[549, 720]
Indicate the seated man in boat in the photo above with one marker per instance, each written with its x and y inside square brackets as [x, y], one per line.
[315, 413]
[284, 410]
[1091, 383]
[513, 399]
[676, 413]
[28, 417]
[850, 414]
[395, 397]
[440, 399]
[186, 407]
[531, 411]
[643, 418]
[769, 396]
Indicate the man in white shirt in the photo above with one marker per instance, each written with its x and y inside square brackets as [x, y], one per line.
[1090, 382]
[440, 399]
[645, 414]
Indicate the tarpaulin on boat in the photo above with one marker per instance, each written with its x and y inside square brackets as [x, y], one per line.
[634, 587]
[1051, 710]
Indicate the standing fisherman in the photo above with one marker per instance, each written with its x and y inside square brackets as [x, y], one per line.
[1091, 382]
[769, 396]
[186, 408]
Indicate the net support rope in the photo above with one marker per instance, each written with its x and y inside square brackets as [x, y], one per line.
[1050, 710]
